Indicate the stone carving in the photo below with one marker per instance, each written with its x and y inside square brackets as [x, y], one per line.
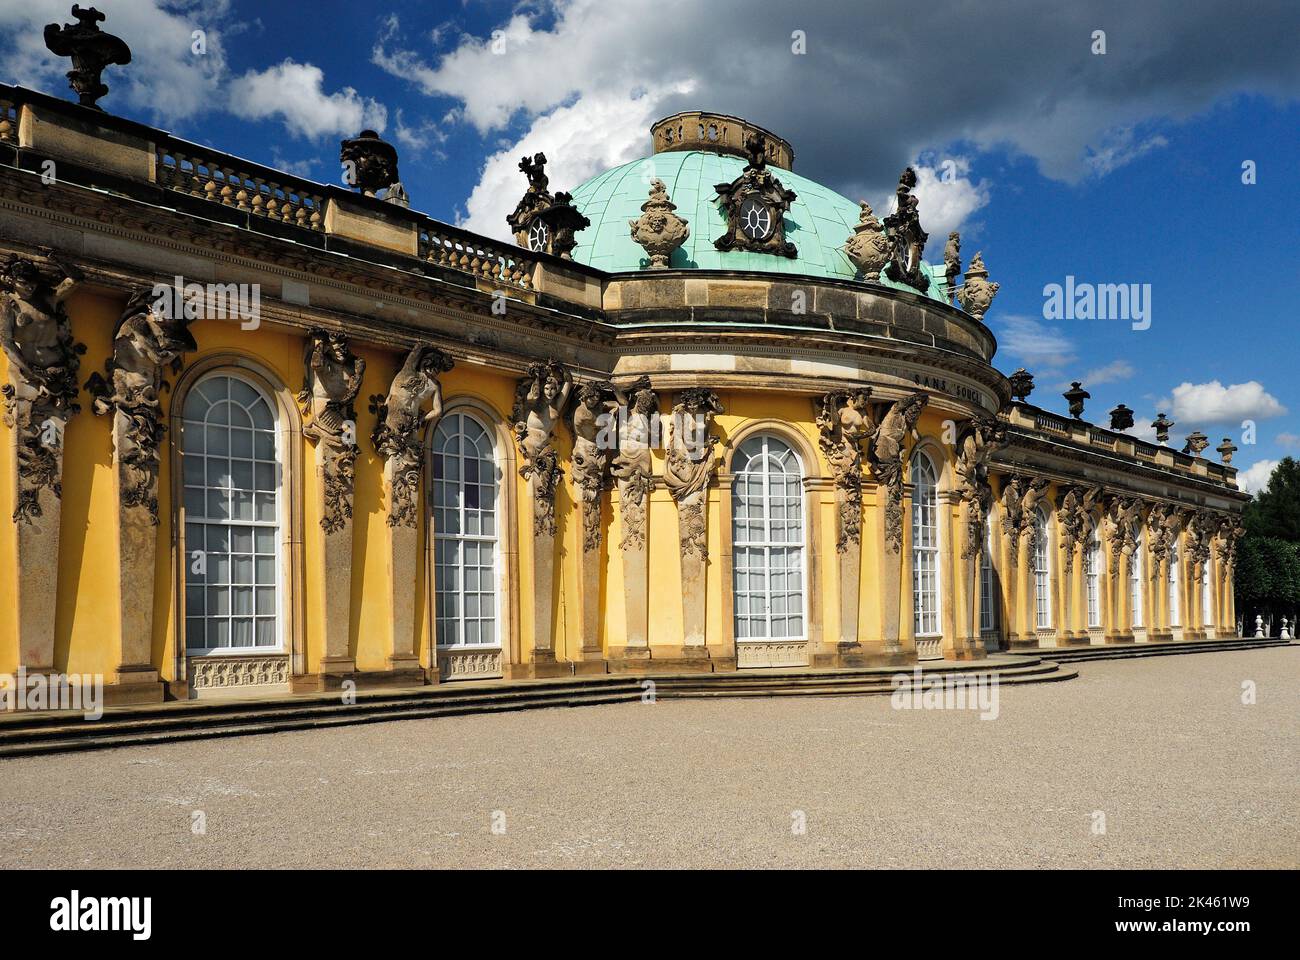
[976, 294]
[633, 467]
[91, 51]
[1075, 397]
[976, 443]
[1230, 531]
[867, 248]
[400, 426]
[1121, 418]
[1013, 489]
[540, 399]
[41, 395]
[541, 222]
[1035, 490]
[906, 238]
[1201, 528]
[1123, 523]
[371, 165]
[593, 415]
[1196, 443]
[241, 671]
[1074, 514]
[1022, 384]
[885, 451]
[844, 421]
[144, 343]
[332, 376]
[952, 263]
[1225, 450]
[1162, 425]
[690, 462]
[755, 204]
[659, 230]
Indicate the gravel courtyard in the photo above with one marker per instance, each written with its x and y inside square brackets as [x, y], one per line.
[1185, 774]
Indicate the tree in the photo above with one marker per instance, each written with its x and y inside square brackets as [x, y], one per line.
[1275, 511]
[1268, 558]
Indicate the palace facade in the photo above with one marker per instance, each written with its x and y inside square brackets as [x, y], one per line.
[705, 414]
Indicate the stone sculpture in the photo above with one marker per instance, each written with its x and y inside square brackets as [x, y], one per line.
[867, 248]
[401, 424]
[540, 400]
[659, 230]
[885, 453]
[332, 376]
[91, 51]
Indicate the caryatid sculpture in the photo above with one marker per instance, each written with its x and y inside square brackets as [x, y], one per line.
[1013, 488]
[690, 462]
[844, 421]
[885, 452]
[146, 342]
[633, 467]
[1074, 513]
[595, 418]
[1123, 523]
[332, 376]
[975, 447]
[1035, 493]
[41, 395]
[540, 399]
[401, 423]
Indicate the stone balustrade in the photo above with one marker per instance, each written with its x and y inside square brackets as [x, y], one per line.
[8, 120]
[456, 249]
[194, 170]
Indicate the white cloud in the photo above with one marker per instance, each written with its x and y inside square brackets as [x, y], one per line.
[1255, 477]
[574, 154]
[1111, 372]
[947, 195]
[1034, 344]
[295, 93]
[1199, 405]
[1289, 440]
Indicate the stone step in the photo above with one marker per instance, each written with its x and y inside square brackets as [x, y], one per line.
[1005, 678]
[1130, 651]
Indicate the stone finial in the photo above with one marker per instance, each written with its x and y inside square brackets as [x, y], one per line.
[1022, 384]
[1121, 418]
[1226, 449]
[91, 51]
[952, 263]
[1075, 397]
[659, 230]
[370, 165]
[867, 247]
[976, 294]
[1162, 425]
[1196, 443]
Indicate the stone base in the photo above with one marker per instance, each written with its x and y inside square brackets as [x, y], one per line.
[585, 667]
[1119, 638]
[119, 694]
[543, 666]
[331, 679]
[1023, 643]
[840, 656]
[1073, 640]
[972, 649]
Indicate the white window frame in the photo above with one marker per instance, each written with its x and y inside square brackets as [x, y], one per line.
[279, 526]
[925, 498]
[1042, 571]
[988, 609]
[1135, 583]
[1092, 577]
[1207, 601]
[1175, 572]
[439, 534]
[766, 544]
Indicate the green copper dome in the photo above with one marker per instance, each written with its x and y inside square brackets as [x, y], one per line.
[818, 222]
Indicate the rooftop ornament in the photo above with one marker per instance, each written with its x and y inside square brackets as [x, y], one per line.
[1225, 450]
[91, 51]
[952, 263]
[1022, 384]
[1162, 425]
[755, 204]
[542, 222]
[1075, 397]
[1121, 418]
[1196, 443]
[867, 249]
[976, 294]
[371, 166]
[907, 239]
[659, 230]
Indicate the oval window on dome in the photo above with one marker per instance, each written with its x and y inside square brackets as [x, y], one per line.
[755, 219]
[539, 235]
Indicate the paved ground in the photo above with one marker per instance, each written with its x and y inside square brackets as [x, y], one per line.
[1185, 774]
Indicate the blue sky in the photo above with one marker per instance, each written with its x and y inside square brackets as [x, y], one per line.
[1115, 167]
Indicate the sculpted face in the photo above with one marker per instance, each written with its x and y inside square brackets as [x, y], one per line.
[551, 388]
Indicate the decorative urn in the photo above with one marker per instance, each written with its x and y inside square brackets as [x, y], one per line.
[1162, 425]
[1075, 397]
[868, 249]
[1121, 418]
[1196, 443]
[1022, 384]
[659, 230]
[1226, 449]
[371, 166]
[91, 51]
[976, 294]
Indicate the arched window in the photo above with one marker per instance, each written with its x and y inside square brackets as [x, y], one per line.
[925, 548]
[1135, 581]
[768, 541]
[465, 533]
[1207, 599]
[988, 591]
[1175, 567]
[1042, 572]
[1092, 577]
[230, 462]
